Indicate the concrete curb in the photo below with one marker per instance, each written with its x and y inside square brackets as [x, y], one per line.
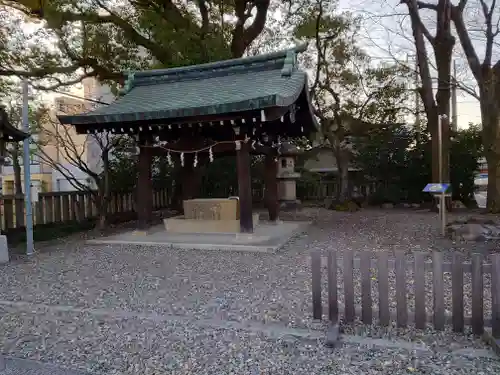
[190, 246]
[21, 366]
[268, 249]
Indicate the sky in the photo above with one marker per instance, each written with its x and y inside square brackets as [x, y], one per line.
[385, 33]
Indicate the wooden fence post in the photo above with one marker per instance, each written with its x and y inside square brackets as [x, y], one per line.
[65, 208]
[57, 208]
[495, 295]
[419, 282]
[350, 312]
[74, 206]
[81, 206]
[438, 290]
[316, 285]
[49, 209]
[457, 292]
[40, 211]
[477, 294]
[88, 205]
[383, 288]
[366, 287]
[333, 306]
[401, 304]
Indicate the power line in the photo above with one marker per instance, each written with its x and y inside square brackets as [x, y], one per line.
[81, 98]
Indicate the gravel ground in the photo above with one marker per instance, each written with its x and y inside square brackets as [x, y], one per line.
[197, 285]
[141, 346]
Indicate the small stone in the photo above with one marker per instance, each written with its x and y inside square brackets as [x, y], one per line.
[327, 203]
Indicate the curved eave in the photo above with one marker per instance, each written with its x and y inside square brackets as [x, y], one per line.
[165, 116]
[12, 134]
[285, 96]
[311, 109]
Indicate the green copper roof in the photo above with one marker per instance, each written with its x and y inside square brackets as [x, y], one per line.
[200, 90]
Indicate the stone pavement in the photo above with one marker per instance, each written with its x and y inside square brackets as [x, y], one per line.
[267, 238]
[18, 366]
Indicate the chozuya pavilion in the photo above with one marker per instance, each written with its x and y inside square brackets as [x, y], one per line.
[242, 106]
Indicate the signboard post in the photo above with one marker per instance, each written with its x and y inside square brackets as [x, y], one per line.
[441, 191]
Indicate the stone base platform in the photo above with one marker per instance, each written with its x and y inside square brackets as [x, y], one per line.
[180, 224]
[267, 238]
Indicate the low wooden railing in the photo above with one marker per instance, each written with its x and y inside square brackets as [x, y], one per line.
[61, 207]
[409, 291]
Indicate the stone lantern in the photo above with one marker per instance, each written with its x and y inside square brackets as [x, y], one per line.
[287, 176]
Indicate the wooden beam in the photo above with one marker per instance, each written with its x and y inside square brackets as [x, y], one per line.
[271, 182]
[245, 188]
[144, 197]
[275, 113]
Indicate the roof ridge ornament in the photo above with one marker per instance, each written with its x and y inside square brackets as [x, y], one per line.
[224, 64]
[128, 83]
[290, 63]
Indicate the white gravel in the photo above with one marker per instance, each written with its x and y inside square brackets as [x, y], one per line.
[226, 286]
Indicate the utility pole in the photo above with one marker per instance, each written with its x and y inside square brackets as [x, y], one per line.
[27, 171]
[454, 113]
[417, 101]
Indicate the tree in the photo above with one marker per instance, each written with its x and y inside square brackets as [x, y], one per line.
[67, 152]
[352, 95]
[400, 167]
[442, 44]
[103, 38]
[384, 155]
[487, 75]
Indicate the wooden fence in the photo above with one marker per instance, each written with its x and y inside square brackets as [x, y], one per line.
[61, 207]
[424, 286]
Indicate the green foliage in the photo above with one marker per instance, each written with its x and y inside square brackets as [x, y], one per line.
[401, 167]
[123, 171]
[103, 38]
[352, 93]
[466, 149]
[123, 166]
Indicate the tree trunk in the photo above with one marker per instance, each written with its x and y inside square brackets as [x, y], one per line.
[343, 177]
[102, 209]
[442, 45]
[16, 166]
[493, 197]
[490, 115]
[18, 185]
[104, 192]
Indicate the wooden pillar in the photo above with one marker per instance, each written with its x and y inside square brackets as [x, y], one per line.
[271, 182]
[144, 186]
[188, 178]
[245, 187]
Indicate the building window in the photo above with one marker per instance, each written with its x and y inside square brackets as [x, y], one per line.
[61, 107]
[9, 188]
[283, 163]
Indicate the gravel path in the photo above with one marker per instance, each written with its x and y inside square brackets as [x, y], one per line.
[196, 286]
